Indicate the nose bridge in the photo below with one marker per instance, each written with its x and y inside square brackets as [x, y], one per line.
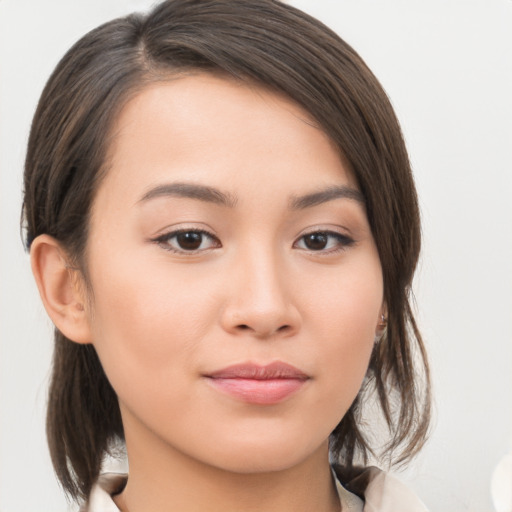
[260, 299]
[265, 275]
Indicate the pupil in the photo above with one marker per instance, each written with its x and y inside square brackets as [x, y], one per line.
[189, 240]
[316, 241]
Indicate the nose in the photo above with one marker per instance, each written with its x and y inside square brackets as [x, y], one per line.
[260, 299]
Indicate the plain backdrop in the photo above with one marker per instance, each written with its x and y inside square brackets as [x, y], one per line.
[447, 67]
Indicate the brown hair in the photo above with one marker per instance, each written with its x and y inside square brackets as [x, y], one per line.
[259, 41]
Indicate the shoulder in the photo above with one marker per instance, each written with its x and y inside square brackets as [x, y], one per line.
[380, 491]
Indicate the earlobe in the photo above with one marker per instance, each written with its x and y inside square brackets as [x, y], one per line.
[60, 289]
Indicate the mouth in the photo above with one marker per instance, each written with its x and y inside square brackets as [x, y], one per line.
[256, 384]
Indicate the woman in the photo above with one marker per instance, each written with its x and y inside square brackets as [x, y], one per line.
[223, 228]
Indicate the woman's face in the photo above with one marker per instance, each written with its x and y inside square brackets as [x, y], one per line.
[236, 283]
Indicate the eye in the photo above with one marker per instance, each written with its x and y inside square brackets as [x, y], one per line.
[325, 241]
[188, 241]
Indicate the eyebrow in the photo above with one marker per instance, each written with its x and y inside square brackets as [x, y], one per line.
[191, 191]
[323, 196]
[214, 195]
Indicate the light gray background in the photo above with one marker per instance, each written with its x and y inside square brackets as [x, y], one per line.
[447, 66]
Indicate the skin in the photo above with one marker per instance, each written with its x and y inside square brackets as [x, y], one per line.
[256, 289]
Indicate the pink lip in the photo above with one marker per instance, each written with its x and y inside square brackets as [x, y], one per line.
[256, 384]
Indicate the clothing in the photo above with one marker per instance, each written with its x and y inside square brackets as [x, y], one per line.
[363, 490]
[380, 491]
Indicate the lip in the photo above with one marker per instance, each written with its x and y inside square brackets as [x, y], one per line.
[258, 384]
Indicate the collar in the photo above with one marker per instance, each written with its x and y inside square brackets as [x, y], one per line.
[381, 491]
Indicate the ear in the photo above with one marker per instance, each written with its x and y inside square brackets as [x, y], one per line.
[61, 289]
[382, 323]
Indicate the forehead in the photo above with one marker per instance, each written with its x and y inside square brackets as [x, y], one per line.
[204, 127]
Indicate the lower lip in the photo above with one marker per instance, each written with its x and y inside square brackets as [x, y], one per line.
[260, 392]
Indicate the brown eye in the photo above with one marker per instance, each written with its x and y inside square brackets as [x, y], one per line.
[189, 241]
[326, 242]
[316, 241]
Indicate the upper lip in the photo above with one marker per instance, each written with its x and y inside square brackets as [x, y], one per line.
[253, 371]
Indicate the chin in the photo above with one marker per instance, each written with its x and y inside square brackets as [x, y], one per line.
[266, 456]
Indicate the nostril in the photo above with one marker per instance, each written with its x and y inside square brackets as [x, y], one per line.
[245, 327]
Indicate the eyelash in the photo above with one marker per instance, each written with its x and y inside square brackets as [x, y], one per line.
[164, 240]
[342, 241]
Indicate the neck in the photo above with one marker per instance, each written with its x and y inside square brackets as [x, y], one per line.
[162, 480]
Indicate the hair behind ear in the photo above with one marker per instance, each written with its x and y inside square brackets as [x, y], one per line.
[83, 411]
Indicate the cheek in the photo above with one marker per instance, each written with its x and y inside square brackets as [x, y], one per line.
[146, 326]
[343, 318]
